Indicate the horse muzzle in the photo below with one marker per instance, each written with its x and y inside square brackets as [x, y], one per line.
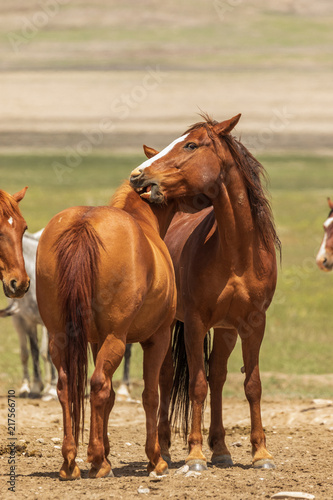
[15, 289]
[148, 189]
[325, 263]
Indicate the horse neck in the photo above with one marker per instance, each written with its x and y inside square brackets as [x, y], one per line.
[237, 234]
[148, 215]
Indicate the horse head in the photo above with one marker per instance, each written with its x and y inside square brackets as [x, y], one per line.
[325, 255]
[189, 167]
[12, 226]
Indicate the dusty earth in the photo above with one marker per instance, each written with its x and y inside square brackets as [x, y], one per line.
[299, 434]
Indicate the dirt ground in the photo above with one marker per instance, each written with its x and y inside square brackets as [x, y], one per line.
[299, 435]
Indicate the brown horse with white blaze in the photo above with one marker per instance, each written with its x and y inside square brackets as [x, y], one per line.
[12, 226]
[225, 265]
[105, 277]
[325, 254]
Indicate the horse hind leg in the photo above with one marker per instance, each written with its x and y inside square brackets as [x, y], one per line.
[164, 429]
[261, 458]
[69, 469]
[223, 345]
[102, 398]
[154, 349]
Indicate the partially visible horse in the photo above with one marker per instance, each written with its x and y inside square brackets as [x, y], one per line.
[225, 265]
[105, 277]
[26, 318]
[325, 255]
[12, 226]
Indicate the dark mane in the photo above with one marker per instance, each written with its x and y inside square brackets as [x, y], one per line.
[207, 124]
[253, 174]
[8, 206]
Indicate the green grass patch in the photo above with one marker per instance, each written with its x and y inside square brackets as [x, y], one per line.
[298, 334]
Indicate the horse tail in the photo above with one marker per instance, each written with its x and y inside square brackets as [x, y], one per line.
[180, 400]
[78, 254]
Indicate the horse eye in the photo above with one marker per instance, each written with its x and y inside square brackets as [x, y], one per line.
[191, 146]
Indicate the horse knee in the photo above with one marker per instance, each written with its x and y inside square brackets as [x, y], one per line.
[100, 389]
[150, 399]
[252, 388]
[198, 389]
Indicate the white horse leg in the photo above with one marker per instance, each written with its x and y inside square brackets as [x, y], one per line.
[123, 393]
[37, 385]
[24, 390]
[51, 378]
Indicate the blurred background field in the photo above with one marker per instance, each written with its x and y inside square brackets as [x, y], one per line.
[84, 87]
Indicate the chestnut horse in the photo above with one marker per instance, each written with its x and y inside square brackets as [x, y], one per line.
[12, 226]
[325, 255]
[225, 265]
[105, 277]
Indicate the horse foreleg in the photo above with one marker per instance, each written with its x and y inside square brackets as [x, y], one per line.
[102, 398]
[165, 383]
[224, 342]
[194, 340]
[251, 342]
[154, 351]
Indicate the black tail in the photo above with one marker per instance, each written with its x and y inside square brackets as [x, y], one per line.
[180, 400]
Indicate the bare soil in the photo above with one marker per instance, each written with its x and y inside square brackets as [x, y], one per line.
[299, 435]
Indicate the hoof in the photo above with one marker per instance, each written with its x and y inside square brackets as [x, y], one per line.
[222, 460]
[264, 463]
[159, 470]
[197, 465]
[69, 473]
[104, 470]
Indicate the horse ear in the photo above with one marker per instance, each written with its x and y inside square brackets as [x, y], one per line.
[330, 203]
[19, 195]
[226, 127]
[149, 152]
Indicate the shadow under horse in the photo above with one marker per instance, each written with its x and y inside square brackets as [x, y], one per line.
[225, 265]
[105, 277]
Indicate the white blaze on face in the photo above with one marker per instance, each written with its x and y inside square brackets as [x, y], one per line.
[10, 220]
[322, 250]
[328, 222]
[162, 153]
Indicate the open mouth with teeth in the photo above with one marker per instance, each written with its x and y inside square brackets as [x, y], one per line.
[150, 192]
[145, 192]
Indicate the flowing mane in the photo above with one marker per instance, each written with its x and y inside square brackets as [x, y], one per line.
[253, 173]
[119, 198]
[8, 206]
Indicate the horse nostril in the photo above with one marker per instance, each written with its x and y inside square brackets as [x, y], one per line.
[12, 285]
[136, 173]
[324, 260]
[27, 287]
